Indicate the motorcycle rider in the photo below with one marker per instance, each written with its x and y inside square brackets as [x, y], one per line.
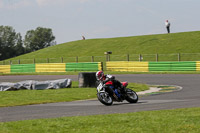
[111, 82]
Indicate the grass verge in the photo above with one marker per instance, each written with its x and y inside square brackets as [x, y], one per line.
[165, 121]
[28, 97]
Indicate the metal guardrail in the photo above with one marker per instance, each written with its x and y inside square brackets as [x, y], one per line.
[110, 57]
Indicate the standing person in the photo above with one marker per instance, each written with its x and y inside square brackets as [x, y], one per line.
[83, 38]
[167, 24]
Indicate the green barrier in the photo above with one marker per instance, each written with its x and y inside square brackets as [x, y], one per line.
[172, 66]
[94, 66]
[21, 68]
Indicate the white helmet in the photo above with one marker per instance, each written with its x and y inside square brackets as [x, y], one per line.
[99, 75]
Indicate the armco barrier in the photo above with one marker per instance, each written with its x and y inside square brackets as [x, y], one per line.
[128, 66]
[50, 67]
[198, 66]
[91, 66]
[4, 68]
[172, 66]
[152, 66]
[22, 68]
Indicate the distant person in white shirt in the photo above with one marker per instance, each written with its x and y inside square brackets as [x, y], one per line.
[167, 24]
[83, 38]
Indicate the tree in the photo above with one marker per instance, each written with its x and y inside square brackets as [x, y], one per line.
[38, 39]
[9, 41]
[19, 49]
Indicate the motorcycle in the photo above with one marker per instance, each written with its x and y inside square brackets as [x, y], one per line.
[106, 94]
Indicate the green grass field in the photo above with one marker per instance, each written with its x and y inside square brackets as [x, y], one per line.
[165, 121]
[166, 45]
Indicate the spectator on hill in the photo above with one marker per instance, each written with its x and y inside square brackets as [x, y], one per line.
[83, 38]
[167, 24]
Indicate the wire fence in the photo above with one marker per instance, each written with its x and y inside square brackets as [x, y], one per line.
[110, 57]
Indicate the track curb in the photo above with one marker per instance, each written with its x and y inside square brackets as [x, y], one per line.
[158, 89]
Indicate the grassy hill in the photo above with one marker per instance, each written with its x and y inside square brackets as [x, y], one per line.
[185, 42]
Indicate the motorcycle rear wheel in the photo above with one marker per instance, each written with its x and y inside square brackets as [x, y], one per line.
[131, 96]
[104, 98]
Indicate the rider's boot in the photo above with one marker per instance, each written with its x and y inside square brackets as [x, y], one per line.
[122, 89]
[114, 95]
[118, 95]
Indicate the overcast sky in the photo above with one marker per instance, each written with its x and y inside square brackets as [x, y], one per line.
[70, 19]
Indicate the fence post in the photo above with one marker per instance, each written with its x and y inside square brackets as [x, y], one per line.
[140, 57]
[47, 60]
[127, 57]
[62, 59]
[102, 66]
[106, 57]
[19, 61]
[34, 61]
[92, 58]
[156, 57]
[179, 57]
[76, 59]
[10, 62]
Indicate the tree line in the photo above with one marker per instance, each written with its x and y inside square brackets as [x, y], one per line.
[12, 44]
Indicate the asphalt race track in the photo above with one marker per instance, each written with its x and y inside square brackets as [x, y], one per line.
[189, 96]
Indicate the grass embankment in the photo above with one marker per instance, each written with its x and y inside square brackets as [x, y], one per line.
[165, 121]
[186, 42]
[28, 97]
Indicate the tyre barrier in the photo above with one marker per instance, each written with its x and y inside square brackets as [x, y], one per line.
[87, 79]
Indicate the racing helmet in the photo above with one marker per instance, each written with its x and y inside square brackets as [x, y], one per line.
[99, 75]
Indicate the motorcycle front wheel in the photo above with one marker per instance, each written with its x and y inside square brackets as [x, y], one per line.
[104, 98]
[131, 96]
